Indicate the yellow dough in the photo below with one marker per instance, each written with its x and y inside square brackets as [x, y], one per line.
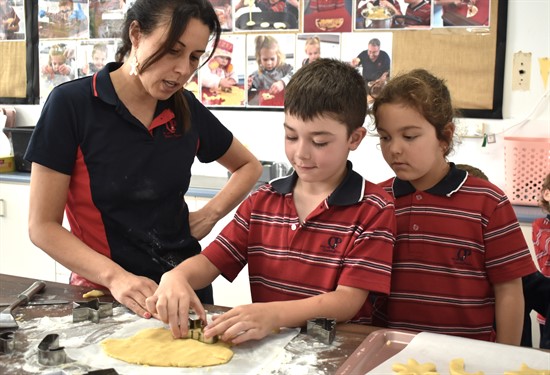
[414, 368]
[526, 370]
[456, 367]
[157, 347]
[93, 293]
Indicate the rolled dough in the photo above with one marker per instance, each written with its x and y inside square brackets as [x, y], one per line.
[157, 347]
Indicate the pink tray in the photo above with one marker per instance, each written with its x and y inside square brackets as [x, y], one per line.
[378, 347]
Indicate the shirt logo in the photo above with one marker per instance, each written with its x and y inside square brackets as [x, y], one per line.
[332, 244]
[171, 129]
[462, 256]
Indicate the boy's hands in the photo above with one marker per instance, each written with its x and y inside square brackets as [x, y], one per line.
[243, 323]
[171, 302]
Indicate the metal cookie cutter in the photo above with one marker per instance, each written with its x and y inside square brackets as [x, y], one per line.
[196, 332]
[322, 329]
[91, 310]
[7, 342]
[49, 351]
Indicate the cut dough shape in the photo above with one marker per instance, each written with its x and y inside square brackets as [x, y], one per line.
[93, 294]
[157, 347]
[264, 24]
[472, 11]
[414, 368]
[279, 25]
[526, 370]
[456, 367]
[250, 23]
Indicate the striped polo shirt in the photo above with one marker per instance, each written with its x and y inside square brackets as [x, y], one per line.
[454, 242]
[347, 240]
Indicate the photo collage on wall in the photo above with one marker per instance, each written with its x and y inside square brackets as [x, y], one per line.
[263, 42]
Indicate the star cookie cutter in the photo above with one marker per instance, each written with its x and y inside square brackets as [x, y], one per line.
[92, 310]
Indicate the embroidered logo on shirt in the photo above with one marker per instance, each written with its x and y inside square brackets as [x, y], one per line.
[462, 255]
[332, 244]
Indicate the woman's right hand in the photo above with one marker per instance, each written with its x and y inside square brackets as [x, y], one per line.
[172, 300]
[132, 291]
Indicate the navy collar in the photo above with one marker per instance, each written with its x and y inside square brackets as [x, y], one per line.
[446, 187]
[102, 87]
[350, 191]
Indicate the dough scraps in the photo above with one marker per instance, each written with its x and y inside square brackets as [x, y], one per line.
[93, 293]
[456, 367]
[414, 368]
[157, 347]
[526, 370]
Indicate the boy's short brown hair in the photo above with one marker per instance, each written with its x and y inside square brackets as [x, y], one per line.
[327, 87]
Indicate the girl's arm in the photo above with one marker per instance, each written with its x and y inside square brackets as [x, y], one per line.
[509, 311]
[257, 320]
[48, 195]
[245, 170]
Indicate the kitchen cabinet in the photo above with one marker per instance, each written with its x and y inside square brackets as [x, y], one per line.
[18, 255]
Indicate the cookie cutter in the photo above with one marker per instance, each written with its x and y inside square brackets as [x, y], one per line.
[91, 310]
[49, 351]
[7, 342]
[322, 329]
[107, 371]
[195, 332]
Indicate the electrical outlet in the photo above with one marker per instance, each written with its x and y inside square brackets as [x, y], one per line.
[521, 74]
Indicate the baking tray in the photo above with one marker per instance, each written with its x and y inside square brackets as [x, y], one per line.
[377, 348]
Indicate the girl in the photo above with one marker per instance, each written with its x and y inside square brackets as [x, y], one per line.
[460, 254]
[219, 75]
[313, 50]
[57, 71]
[273, 73]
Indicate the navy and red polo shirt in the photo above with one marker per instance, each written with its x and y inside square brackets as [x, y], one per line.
[347, 240]
[454, 242]
[126, 195]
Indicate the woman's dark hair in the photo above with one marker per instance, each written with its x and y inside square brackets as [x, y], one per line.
[150, 14]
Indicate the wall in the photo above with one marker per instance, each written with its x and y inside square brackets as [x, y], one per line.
[528, 31]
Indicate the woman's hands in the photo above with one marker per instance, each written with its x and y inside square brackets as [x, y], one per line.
[243, 323]
[132, 291]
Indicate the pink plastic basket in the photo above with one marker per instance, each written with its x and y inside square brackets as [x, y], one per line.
[527, 162]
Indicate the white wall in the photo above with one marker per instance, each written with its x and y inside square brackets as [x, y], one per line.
[528, 31]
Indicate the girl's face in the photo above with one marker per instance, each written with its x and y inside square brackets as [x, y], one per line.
[313, 52]
[99, 58]
[410, 146]
[318, 149]
[166, 76]
[222, 61]
[57, 61]
[268, 58]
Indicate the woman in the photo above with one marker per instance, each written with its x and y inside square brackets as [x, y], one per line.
[116, 149]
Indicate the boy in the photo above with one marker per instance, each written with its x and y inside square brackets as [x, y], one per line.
[316, 242]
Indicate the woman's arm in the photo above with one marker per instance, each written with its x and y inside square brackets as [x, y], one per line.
[257, 320]
[48, 196]
[245, 170]
[509, 310]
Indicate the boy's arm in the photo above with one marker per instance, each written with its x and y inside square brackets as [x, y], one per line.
[176, 293]
[509, 310]
[257, 320]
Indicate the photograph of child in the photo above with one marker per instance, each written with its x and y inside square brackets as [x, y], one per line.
[56, 65]
[457, 13]
[310, 47]
[279, 15]
[106, 18]
[325, 16]
[269, 68]
[13, 24]
[222, 78]
[224, 13]
[92, 55]
[63, 19]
